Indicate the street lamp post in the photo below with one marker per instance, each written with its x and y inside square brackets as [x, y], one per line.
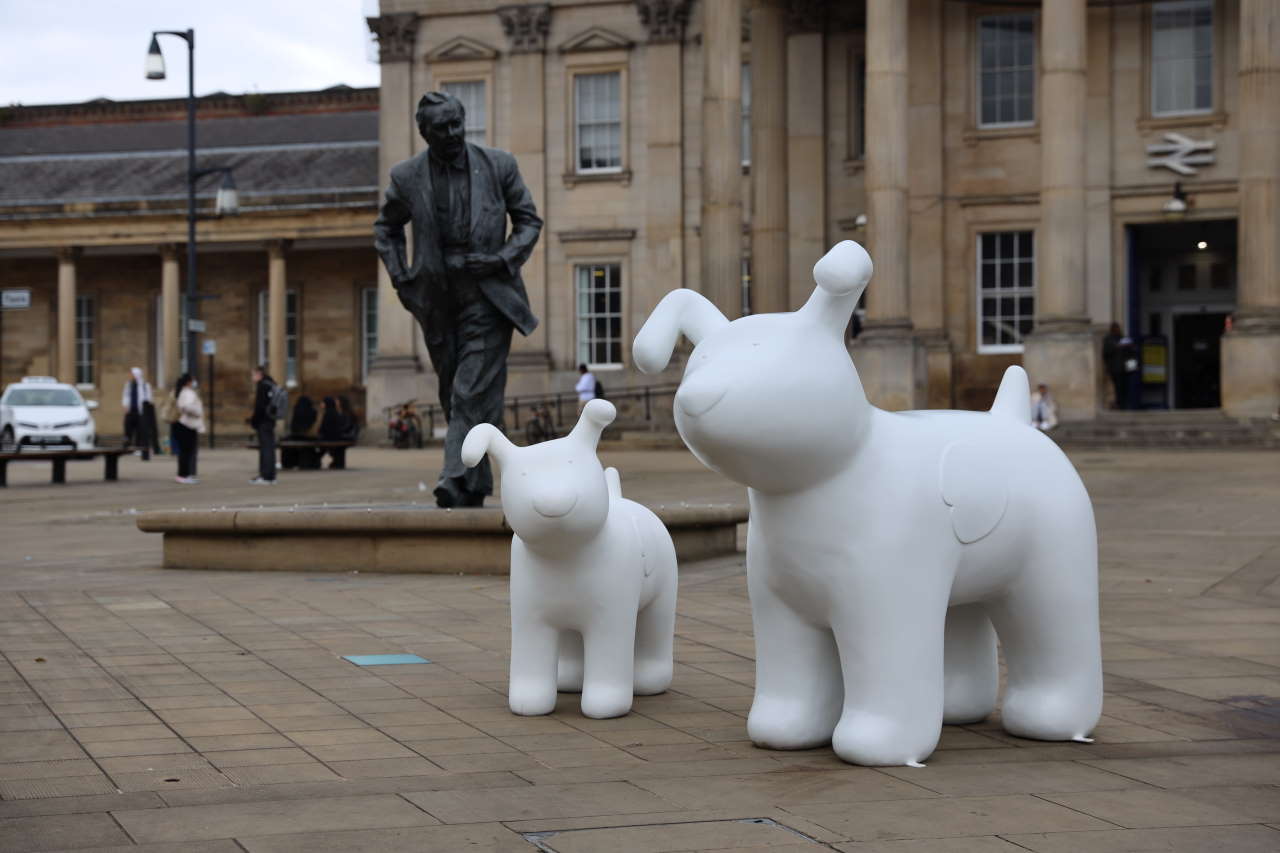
[227, 200]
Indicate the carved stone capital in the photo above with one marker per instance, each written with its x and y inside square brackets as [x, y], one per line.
[664, 19]
[396, 35]
[278, 248]
[169, 251]
[69, 254]
[527, 26]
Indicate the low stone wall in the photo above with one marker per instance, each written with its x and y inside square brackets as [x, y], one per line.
[388, 538]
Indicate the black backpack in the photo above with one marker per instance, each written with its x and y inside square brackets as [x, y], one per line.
[277, 402]
[599, 390]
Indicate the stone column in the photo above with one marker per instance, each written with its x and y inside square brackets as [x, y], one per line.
[396, 373]
[67, 314]
[1062, 352]
[277, 313]
[1251, 351]
[886, 350]
[806, 131]
[769, 231]
[665, 22]
[170, 316]
[721, 229]
[527, 28]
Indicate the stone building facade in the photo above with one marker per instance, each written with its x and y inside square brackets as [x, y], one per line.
[1024, 174]
[93, 236]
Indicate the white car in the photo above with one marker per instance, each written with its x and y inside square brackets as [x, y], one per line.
[40, 411]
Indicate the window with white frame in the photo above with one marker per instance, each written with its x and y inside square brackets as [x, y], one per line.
[1006, 70]
[472, 95]
[597, 121]
[1006, 290]
[599, 309]
[161, 372]
[746, 114]
[290, 333]
[85, 323]
[1181, 57]
[368, 330]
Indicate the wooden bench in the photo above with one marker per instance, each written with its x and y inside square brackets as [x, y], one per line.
[110, 458]
[298, 443]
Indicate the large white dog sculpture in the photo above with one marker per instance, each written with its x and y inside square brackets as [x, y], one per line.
[879, 539]
[589, 570]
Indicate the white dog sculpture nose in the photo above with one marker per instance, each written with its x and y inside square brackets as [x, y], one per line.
[697, 398]
[555, 502]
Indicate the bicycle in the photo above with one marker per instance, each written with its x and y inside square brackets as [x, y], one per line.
[540, 426]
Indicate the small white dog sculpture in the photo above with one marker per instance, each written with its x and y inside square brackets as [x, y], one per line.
[590, 571]
[879, 539]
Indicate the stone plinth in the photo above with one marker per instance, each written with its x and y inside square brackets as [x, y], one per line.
[415, 539]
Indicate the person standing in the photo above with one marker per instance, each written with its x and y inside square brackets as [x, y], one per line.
[134, 400]
[188, 427]
[463, 282]
[263, 421]
[1120, 357]
[586, 387]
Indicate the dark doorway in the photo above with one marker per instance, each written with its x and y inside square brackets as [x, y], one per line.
[1182, 286]
[1197, 352]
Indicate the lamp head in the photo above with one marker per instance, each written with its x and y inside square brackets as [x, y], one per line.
[155, 60]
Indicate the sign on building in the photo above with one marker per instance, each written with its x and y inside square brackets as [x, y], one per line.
[1180, 154]
[15, 299]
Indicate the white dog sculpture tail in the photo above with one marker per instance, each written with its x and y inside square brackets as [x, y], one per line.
[882, 547]
[593, 575]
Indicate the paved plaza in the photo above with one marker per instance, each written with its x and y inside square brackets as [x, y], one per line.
[209, 712]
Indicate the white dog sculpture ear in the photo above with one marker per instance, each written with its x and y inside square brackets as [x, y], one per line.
[482, 439]
[841, 275]
[596, 415]
[679, 311]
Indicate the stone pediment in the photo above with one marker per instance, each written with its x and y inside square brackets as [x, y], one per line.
[461, 48]
[596, 38]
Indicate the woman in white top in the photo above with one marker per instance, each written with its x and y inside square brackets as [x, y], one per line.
[586, 387]
[187, 429]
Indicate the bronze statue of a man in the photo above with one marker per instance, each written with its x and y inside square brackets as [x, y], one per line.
[464, 284]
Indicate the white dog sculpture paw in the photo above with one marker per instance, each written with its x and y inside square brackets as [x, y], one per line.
[593, 575]
[883, 547]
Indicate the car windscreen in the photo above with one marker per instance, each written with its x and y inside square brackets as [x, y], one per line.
[43, 397]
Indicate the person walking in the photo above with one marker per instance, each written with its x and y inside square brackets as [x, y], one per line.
[136, 396]
[1044, 411]
[188, 427]
[263, 421]
[586, 387]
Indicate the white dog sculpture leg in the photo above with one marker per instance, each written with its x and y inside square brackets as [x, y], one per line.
[609, 665]
[1048, 627]
[569, 670]
[655, 638]
[972, 666]
[890, 637]
[799, 689]
[533, 665]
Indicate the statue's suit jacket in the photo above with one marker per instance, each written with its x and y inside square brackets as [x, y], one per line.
[497, 192]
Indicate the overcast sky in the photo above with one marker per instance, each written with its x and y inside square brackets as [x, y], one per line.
[67, 51]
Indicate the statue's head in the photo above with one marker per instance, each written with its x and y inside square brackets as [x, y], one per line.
[442, 123]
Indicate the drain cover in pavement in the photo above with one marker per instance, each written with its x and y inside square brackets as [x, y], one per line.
[701, 835]
[383, 660]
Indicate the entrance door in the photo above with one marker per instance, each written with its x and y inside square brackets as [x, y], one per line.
[1182, 283]
[1197, 360]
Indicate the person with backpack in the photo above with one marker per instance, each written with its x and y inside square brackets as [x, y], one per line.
[588, 387]
[270, 401]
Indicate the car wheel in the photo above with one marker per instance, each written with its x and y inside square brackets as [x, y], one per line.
[6, 440]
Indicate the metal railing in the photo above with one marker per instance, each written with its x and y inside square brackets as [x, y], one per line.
[558, 404]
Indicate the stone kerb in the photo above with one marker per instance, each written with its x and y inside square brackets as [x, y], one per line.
[407, 539]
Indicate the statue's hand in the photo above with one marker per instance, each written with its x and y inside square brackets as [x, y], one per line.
[480, 264]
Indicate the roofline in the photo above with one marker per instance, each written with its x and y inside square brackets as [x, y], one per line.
[218, 105]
